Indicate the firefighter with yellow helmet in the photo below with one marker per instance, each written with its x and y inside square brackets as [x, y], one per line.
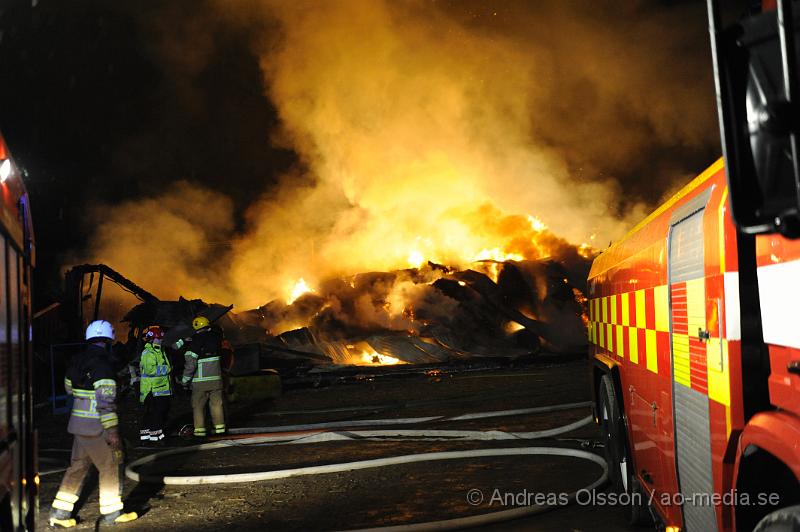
[203, 370]
[94, 424]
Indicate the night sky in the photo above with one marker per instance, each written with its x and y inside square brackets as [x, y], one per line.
[97, 106]
[91, 115]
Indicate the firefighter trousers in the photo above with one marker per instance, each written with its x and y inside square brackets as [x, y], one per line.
[88, 450]
[154, 417]
[208, 393]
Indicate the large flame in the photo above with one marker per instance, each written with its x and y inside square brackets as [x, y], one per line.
[299, 288]
[372, 357]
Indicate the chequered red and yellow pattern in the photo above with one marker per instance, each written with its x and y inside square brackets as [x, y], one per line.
[688, 349]
[633, 325]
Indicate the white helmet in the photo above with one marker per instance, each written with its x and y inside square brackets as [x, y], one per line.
[100, 330]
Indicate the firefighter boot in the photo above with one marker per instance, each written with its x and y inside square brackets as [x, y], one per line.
[62, 519]
[115, 518]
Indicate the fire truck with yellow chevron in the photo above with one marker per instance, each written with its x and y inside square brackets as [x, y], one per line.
[694, 321]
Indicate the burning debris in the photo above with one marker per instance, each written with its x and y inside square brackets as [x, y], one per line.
[426, 315]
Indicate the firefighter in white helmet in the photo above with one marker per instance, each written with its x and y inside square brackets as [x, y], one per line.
[93, 422]
[203, 370]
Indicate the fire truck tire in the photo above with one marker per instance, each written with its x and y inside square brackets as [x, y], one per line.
[617, 456]
[783, 520]
[613, 442]
[637, 511]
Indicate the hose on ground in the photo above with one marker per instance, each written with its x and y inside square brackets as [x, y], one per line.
[318, 433]
[409, 421]
[504, 515]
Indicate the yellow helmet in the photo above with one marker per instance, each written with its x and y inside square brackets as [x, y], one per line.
[199, 322]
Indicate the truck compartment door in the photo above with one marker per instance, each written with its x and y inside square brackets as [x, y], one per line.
[689, 372]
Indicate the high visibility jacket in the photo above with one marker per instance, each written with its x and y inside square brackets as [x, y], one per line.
[90, 380]
[154, 370]
[202, 358]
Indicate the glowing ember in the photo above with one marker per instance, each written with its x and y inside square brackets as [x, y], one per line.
[299, 288]
[373, 358]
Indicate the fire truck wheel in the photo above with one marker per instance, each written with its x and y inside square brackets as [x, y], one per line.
[610, 426]
[783, 520]
[617, 456]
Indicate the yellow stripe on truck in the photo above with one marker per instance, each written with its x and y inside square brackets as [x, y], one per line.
[626, 319]
[696, 305]
[719, 381]
[680, 359]
[662, 308]
[634, 344]
[652, 351]
[641, 321]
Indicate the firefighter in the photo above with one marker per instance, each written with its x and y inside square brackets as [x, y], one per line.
[93, 422]
[203, 370]
[154, 387]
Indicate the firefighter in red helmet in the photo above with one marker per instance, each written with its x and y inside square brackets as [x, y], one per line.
[154, 386]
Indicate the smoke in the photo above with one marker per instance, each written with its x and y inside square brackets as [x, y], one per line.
[431, 130]
[174, 244]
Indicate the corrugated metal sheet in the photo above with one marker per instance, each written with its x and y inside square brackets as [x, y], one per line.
[686, 249]
[693, 453]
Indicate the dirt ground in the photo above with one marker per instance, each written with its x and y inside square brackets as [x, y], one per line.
[394, 495]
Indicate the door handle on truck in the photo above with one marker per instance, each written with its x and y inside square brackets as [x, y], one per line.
[794, 367]
[703, 335]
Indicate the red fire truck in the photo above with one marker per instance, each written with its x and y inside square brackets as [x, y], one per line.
[18, 469]
[694, 328]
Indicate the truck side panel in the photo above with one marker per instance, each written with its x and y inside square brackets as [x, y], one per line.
[681, 333]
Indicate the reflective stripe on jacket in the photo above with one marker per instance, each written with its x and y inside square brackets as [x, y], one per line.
[93, 410]
[90, 381]
[204, 369]
[154, 369]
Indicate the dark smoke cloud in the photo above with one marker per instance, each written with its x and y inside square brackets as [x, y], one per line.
[580, 113]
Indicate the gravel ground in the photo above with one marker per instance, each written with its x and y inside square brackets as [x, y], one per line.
[394, 495]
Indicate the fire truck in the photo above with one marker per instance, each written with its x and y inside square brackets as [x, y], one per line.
[694, 323]
[19, 480]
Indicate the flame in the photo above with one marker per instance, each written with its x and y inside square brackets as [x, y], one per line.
[373, 358]
[536, 224]
[299, 288]
[513, 326]
[586, 250]
[491, 269]
[498, 255]
[416, 259]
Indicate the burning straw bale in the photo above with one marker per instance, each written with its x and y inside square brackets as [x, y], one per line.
[421, 315]
[433, 314]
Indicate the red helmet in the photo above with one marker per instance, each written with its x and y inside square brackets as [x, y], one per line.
[154, 332]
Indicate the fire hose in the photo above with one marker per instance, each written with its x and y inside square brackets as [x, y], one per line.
[321, 432]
